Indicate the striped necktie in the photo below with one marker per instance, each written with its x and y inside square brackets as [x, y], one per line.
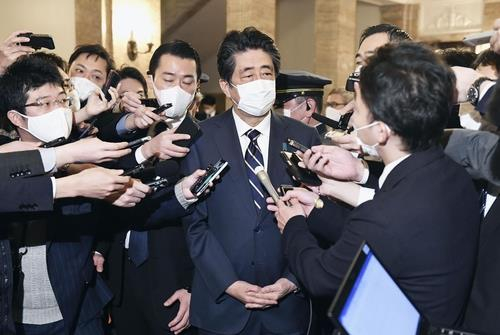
[253, 158]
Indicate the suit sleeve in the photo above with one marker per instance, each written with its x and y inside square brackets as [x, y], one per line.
[206, 252]
[26, 194]
[477, 151]
[321, 270]
[21, 164]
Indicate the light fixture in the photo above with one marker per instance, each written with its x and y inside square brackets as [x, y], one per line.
[132, 50]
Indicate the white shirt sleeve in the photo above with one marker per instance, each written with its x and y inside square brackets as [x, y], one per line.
[366, 173]
[53, 180]
[365, 194]
[139, 157]
[48, 156]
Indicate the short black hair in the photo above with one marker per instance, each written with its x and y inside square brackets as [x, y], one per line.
[26, 73]
[487, 57]
[133, 73]
[457, 57]
[208, 100]
[239, 41]
[52, 57]
[96, 50]
[176, 48]
[394, 33]
[410, 89]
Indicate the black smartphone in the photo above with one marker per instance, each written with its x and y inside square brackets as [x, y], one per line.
[160, 109]
[57, 142]
[138, 142]
[38, 41]
[353, 78]
[283, 189]
[112, 81]
[212, 172]
[297, 145]
[150, 103]
[298, 173]
[190, 127]
[158, 184]
[88, 130]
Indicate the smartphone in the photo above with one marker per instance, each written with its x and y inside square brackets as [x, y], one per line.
[150, 103]
[112, 81]
[353, 78]
[38, 41]
[159, 183]
[282, 191]
[297, 145]
[212, 172]
[162, 108]
[478, 38]
[87, 130]
[57, 142]
[190, 127]
[138, 142]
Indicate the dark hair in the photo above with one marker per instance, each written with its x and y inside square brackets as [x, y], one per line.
[208, 100]
[457, 57]
[176, 48]
[52, 57]
[96, 50]
[410, 89]
[239, 41]
[487, 57]
[27, 73]
[133, 73]
[394, 33]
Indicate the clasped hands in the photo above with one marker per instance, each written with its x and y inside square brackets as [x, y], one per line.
[256, 297]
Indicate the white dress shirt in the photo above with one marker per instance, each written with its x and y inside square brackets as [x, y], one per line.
[264, 127]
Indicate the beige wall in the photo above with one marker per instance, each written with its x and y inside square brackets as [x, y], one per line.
[53, 17]
[367, 15]
[295, 34]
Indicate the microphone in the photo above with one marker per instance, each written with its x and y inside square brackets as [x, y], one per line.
[323, 119]
[266, 182]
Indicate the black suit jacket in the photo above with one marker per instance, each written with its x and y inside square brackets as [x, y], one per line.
[23, 186]
[229, 240]
[424, 225]
[483, 309]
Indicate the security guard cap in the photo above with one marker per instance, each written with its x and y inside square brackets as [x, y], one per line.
[292, 84]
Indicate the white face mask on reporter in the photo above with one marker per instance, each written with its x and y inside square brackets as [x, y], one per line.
[50, 126]
[367, 149]
[256, 97]
[84, 87]
[179, 99]
[289, 112]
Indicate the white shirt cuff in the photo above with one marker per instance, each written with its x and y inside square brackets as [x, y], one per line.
[139, 157]
[365, 194]
[127, 240]
[366, 173]
[53, 180]
[485, 88]
[180, 195]
[48, 156]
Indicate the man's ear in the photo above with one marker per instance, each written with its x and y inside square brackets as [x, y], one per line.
[383, 133]
[224, 86]
[16, 119]
[310, 107]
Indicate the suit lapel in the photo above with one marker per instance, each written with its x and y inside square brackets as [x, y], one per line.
[228, 144]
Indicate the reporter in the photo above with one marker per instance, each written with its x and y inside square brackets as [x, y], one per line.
[424, 218]
[10, 49]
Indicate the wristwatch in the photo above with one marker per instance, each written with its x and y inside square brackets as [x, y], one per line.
[473, 92]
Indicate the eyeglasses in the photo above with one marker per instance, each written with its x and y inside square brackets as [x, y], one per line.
[46, 103]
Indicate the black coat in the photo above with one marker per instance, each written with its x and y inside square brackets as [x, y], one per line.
[424, 225]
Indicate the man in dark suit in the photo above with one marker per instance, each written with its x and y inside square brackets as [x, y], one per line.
[232, 238]
[424, 220]
[163, 306]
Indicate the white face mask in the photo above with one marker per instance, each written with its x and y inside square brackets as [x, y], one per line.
[256, 97]
[332, 113]
[179, 99]
[468, 122]
[84, 87]
[50, 126]
[75, 100]
[289, 112]
[367, 149]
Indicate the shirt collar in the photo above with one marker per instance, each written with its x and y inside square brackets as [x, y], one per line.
[388, 168]
[242, 127]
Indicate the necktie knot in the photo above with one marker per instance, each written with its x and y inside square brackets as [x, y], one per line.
[252, 134]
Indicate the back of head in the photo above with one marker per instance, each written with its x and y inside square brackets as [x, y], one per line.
[458, 57]
[487, 57]
[176, 48]
[208, 100]
[408, 88]
[95, 50]
[57, 60]
[394, 33]
[240, 41]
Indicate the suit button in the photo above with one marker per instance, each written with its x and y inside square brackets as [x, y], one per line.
[257, 230]
[28, 172]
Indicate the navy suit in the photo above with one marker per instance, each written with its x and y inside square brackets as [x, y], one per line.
[423, 224]
[229, 241]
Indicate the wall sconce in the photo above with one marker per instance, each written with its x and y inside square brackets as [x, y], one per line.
[132, 50]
